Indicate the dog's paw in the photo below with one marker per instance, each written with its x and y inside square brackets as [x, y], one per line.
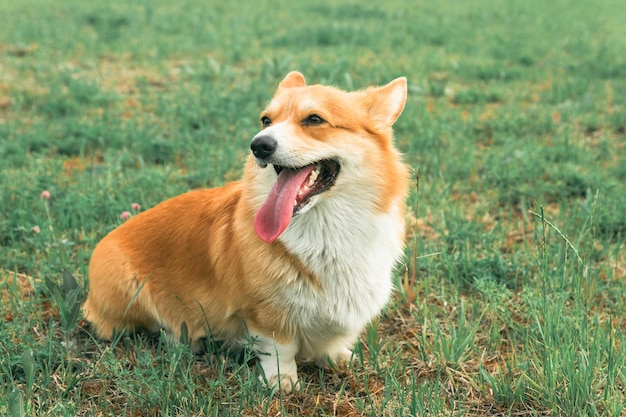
[339, 359]
[286, 383]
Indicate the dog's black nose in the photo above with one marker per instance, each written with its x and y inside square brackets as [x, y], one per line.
[263, 146]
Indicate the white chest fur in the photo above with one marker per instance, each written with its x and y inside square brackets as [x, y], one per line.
[352, 252]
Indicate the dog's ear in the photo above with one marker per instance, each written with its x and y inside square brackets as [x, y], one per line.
[293, 79]
[385, 104]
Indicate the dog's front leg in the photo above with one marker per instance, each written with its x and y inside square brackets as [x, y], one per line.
[278, 361]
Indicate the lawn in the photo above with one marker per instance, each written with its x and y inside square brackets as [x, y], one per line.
[511, 299]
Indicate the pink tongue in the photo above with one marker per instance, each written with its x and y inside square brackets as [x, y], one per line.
[275, 214]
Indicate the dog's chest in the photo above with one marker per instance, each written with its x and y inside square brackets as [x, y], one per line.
[353, 259]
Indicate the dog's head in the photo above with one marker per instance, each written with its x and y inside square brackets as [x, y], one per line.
[318, 141]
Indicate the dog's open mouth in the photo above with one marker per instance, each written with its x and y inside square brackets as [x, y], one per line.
[292, 191]
[320, 179]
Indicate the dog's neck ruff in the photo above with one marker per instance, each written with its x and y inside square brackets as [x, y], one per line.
[352, 252]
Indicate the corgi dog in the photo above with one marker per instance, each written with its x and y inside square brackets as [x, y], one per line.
[296, 257]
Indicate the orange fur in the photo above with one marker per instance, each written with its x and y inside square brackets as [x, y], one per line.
[196, 258]
[178, 262]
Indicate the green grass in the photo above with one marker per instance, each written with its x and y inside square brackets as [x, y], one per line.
[510, 299]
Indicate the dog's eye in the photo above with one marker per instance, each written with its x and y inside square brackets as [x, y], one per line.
[313, 119]
[266, 121]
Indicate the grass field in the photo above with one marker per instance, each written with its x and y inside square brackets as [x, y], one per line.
[511, 300]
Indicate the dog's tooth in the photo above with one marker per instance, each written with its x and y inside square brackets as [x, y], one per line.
[313, 176]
